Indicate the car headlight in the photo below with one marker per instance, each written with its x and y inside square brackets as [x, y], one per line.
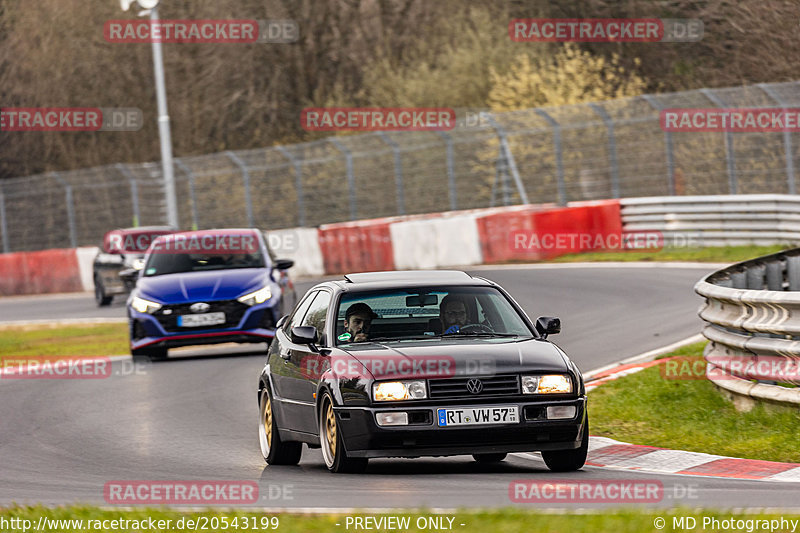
[547, 384]
[257, 297]
[389, 391]
[137, 264]
[145, 306]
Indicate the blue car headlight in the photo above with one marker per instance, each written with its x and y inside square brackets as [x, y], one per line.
[145, 306]
[256, 297]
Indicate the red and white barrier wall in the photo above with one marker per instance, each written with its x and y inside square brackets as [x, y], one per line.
[439, 240]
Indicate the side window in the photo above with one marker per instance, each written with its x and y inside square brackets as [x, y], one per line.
[318, 312]
[297, 317]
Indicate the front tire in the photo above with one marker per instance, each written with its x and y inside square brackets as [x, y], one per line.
[273, 449]
[100, 297]
[332, 444]
[569, 460]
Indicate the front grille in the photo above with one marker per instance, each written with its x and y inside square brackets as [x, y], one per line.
[234, 311]
[491, 386]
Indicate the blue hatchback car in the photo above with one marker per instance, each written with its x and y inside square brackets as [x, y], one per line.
[208, 287]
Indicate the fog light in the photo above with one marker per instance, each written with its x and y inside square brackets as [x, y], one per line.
[392, 419]
[561, 411]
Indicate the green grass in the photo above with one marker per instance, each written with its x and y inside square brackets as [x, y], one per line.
[720, 254]
[510, 520]
[647, 408]
[74, 340]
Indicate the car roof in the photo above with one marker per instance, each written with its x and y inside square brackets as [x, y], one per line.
[215, 231]
[406, 279]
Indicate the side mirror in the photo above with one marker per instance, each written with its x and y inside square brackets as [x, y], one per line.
[284, 264]
[281, 321]
[129, 277]
[548, 325]
[304, 335]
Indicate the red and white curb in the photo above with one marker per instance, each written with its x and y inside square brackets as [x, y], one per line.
[613, 454]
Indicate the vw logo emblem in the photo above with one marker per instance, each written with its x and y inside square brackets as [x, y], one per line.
[200, 307]
[474, 386]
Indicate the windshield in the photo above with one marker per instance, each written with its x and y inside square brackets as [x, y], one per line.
[173, 263]
[427, 313]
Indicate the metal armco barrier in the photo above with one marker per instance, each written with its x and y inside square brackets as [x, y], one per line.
[753, 314]
[698, 221]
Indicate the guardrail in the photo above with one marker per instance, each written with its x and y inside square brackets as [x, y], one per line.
[716, 220]
[753, 314]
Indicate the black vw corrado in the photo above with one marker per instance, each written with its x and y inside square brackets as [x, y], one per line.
[424, 363]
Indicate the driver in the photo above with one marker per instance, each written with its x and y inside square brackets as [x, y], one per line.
[357, 320]
[453, 313]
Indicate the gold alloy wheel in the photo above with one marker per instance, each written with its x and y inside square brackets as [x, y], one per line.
[330, 430]
[268, 420]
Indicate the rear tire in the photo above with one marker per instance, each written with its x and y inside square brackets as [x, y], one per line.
[273, 449]
[332, 444]
[489, 457]
[100, 297]
[569, 460]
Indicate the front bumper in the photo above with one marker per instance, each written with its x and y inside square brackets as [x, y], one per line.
[257, 324]
[363, 437]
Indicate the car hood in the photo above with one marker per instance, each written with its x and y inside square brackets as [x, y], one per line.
[198, 286]
[457, 358]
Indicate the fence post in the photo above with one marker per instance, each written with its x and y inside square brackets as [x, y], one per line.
[787, 137]
[134, 192]
[451, 173]
[73, 234]
[668, 146]
[246, 179]
[192, 195]
[3, 223]
[398, 172]
[298, 184]
[506, 151]
[351, 180]
[730, 155]
[612, 148]
[562, 188]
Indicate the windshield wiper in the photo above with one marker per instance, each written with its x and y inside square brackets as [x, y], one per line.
[479, 334]
[417, 338]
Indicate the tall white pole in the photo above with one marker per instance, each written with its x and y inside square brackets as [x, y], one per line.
[163, 129]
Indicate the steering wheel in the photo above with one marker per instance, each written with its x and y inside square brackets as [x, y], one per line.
[475, 328]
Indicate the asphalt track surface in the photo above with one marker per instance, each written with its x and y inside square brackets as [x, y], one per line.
[194, 417]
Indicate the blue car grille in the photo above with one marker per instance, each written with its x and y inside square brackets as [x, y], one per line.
[234, 311]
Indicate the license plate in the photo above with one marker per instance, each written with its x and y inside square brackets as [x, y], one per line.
[478, 415]
[205, 319]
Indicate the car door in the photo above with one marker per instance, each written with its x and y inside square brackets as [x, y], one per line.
[309, 364]
[289, 383]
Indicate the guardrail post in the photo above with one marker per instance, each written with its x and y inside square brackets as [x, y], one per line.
[739, 280]
[730, 155]
[505, 149]
[774, 276]
[73, 233]
[246, 180]
[192, 194]
[398, 172]
[668, 147]
[612, 148]
[451, 173]
[298, 184]
[3, 223]
[793, 272]
[351, 180]
[755, 278]
[787, 137]
[134, 192]
[562, 188]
